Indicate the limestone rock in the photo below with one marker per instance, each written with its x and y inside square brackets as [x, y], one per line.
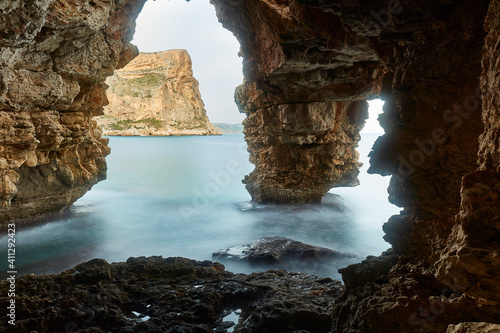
[155, 94]
[304, 96]
[309, 67]
[54, 58]
[471, 257]
[426, 60]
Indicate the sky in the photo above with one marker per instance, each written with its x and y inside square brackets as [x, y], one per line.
[178, 24]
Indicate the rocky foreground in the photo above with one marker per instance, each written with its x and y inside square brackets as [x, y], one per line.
[170, 295]
[176, 295]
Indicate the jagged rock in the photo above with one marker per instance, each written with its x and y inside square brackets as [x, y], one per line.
[471, 257]
[170, 295]
[474, 328]
[155, 94]
[425, 59]
[285, 253]
[54, 58]
[303, 150]
[309, 66]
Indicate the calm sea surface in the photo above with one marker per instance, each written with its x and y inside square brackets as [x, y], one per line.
[183, 196]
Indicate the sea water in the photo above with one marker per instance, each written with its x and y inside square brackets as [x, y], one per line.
[183, 196]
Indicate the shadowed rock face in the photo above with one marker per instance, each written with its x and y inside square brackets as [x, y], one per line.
[54, 58]
[429, 61]
[306, 81]
[470, 258]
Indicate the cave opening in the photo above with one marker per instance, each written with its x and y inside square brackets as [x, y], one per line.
[185, 31]
[368, 201]
[189, 196]
[434, 63]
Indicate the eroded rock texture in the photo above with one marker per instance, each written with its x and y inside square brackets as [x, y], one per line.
[474, 328]
[306, 81]
[436, 273]
[155, 94]
[54, 58]
[471, 258]
[309, 67]
[424, 58]
[170, 295]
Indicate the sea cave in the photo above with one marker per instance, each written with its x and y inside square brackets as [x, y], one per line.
[309, 69]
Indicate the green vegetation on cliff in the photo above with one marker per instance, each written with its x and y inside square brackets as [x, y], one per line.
[121, 125]
[142, 86]
[116, 124]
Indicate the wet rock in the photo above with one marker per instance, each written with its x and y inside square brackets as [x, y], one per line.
[285, 253]
[170, 295]
[372, 268]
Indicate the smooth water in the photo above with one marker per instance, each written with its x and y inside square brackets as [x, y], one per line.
[183, 196]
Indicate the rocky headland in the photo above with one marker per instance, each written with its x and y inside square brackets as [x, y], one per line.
[226, 128]
[155, 94]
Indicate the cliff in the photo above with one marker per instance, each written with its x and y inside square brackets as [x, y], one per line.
[54, 59]
[155, 94]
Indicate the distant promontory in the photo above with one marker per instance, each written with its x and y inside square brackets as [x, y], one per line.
[155, 94]
[226, 128]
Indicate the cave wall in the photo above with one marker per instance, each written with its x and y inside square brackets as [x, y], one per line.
[471, 256]
[434, 275]
[309, 68]
[54, 59]
[426, 60]
[432, 119]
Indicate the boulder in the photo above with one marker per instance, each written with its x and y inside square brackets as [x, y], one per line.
[284, 253]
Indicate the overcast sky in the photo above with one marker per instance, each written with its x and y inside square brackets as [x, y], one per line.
[178, 24]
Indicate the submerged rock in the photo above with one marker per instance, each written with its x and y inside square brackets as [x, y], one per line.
[170, 295]
[281, 252]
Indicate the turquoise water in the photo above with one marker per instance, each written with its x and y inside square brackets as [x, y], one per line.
[183, 196]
